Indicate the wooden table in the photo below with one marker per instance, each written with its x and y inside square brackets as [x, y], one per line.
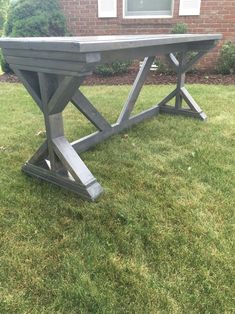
[53, 69]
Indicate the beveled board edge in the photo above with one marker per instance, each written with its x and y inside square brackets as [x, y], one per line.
[101, 43]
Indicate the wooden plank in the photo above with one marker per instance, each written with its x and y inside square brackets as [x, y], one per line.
[90, 193]
[184, 112]
[66, 89]
[180, 80]
[89, 111]
[55, 55]
[190, 101]
[51, 71]
[132, 53]
[48, 85]
[173, 61]
[93, 139]
[72, 162]
[136, 88]
[29, 80]
[102, 43]
[143, 41]
[142, 52]
[56, 125]
[47, 63]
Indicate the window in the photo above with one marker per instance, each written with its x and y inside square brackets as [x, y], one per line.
[147, 8]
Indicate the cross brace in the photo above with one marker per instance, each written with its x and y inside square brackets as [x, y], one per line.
[57, 161]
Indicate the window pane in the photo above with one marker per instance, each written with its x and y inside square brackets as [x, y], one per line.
[148, 7]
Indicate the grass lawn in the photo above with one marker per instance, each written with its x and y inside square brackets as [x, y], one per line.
[161, 238]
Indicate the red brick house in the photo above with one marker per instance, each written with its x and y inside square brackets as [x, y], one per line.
[101, 17]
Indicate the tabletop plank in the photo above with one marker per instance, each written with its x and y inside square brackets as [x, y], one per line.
[87, 44]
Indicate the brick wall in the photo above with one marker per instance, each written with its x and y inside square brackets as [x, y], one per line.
[217, 16]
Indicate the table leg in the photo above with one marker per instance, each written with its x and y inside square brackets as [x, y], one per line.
[56, 161]
[181, 65]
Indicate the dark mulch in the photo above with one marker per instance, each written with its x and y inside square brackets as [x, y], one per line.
[153, 78]
[8, 78]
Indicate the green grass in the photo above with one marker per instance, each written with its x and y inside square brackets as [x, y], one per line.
[159, 240]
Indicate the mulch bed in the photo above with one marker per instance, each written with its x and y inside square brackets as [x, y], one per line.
[153, 78]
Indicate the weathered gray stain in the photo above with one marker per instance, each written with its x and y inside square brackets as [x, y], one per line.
[53, 69]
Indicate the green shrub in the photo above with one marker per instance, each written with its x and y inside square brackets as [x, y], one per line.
[33, 18]
[1, 20]
[113, 68]
[179, 28]
[30, 18]
[3, 10]
[163, 66]
[226, 61]
[4, 65]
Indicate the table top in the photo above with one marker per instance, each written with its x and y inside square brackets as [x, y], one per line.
[88, 44]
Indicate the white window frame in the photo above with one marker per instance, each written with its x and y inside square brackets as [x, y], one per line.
[124, 6]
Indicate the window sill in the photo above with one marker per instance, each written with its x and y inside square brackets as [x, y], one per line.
[147, 17]
[150, 21]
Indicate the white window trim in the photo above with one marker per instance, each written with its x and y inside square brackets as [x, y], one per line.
[195, 11]
[147, 16]
[102, 13]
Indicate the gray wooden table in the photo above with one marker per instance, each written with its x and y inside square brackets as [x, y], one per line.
[53, 69]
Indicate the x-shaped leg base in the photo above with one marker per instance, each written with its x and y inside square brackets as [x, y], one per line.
[57, 161]
[181, 66]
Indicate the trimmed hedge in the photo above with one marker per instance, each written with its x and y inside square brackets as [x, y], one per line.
[116, 67]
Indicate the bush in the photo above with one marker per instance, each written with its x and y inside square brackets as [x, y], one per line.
[1, 20]
[226, 61]
[113, 68]
[163, 65]
[179, 28]
[33, 18]
[30, 18]
[3, 10]
[4, 65]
